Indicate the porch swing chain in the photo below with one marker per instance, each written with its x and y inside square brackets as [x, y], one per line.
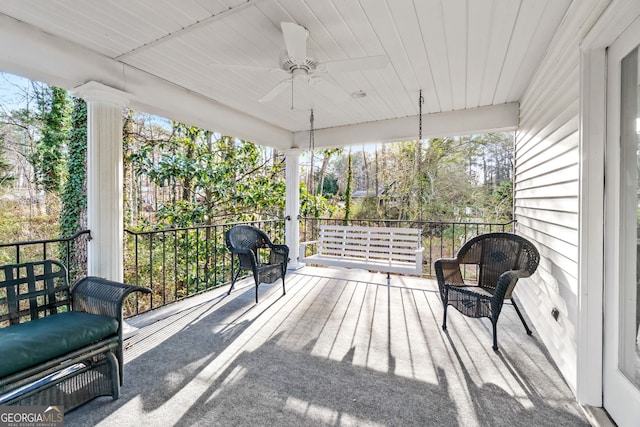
[311, 133]
[420, 102]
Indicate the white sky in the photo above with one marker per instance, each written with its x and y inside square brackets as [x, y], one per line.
[11, 91]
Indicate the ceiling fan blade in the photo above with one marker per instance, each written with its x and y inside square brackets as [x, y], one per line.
[277, 90]
[295, 38]
[355, 64]
[242, 67]
[329, 89]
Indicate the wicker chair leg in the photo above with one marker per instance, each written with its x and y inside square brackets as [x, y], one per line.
[494, 323]
[526, 327]
[116, 379]
[284, 291]
[445, 304]
[234, 276]
[119, 363]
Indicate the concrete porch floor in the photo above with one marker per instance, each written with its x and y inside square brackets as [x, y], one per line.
[342, 347]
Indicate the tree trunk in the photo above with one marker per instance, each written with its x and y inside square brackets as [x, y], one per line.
[323, 169]
[348, 190]
[366, 170]
[128, 140]
[417, 170]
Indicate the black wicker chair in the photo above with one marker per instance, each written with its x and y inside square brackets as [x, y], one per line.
[501, 259]
[255, 252]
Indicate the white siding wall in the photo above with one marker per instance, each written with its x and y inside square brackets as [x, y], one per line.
[547, 185]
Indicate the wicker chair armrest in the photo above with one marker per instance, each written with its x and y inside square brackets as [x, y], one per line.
[96, 295]
[281, 249]
[448, 271]
[280, 254]
[506, 283]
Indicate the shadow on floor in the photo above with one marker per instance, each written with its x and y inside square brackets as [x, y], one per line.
[341, 348]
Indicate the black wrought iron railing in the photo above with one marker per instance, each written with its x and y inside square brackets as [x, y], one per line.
[180, 262]
[71, 251]
[440, 239]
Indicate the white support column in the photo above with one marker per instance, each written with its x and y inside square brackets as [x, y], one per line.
[104, 178]
[292, 206]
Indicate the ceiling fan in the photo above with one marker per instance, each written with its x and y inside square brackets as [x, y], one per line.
[306, 73]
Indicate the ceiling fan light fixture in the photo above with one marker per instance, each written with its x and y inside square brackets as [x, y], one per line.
[299, 74]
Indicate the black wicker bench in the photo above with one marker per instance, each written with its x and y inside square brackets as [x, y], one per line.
[60, 345]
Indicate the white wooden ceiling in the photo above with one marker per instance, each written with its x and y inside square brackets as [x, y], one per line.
[189, 59]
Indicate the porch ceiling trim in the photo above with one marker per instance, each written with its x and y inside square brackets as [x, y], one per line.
[495, 118]
[32, 53]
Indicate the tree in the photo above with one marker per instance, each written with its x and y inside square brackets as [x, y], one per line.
[6, 175]
[326, 157]
[74, 196]
[47, 158]
[220, 178]
[452, 178]
[503, 201]
[313, 206]
[329, 186]
[348, 190]
[131, 201]
[73, 215]
[187, 137]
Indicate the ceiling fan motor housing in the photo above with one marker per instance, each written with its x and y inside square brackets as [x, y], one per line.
[288, 64]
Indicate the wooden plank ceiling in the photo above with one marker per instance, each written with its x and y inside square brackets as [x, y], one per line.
[462, 54]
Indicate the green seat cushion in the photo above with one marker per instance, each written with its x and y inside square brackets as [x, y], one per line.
[27, 344]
